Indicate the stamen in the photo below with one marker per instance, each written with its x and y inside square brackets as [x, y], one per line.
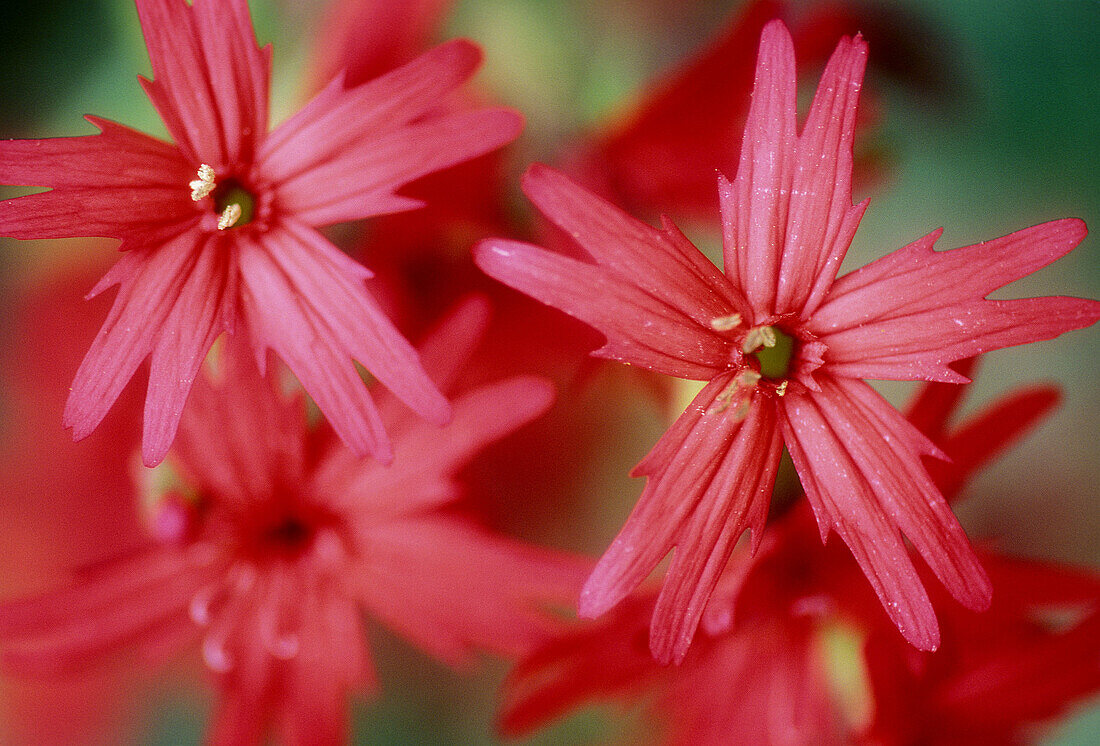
[204, 185]
[725, 323]
[747, 378]
[742, 410]
[722, 402]
[761, 336]
[740, 388]
[229, 217]
[781, 389]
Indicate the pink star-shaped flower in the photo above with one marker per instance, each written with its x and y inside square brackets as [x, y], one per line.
[783, 345]
[219, 230]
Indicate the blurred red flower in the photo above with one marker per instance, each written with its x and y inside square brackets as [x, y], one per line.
[270, 538]
[48, 485]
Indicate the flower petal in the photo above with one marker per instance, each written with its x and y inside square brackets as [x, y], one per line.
[928, 523]
[1024, 682]
[765, 683]
[299, 303]
[755, 204]
[239, 73]
[1035, 584]
[640, 328]
[152, 284]
[859, 462]
[821, 222]
[204, 308]
[931, 408]
[239, 716]
[119, 184]
[444, 351]
[338, 119]
[986, 435]
[317, 708]
[587, 664]
[210, 78]
[447, 348]
[736, 498]
[648, 534]
[75, 625]
[843, 501]
[710, 478]
[656, 157]
[218, 448]
[359, 181]
[426, 457]
[452, 587]
[664, 263]
[912, 312]
[366, 39]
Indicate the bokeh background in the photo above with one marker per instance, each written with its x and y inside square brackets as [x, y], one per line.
[987, 119]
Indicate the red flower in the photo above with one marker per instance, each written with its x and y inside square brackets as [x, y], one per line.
[366, 38]
[784, 345]
[1027, 659]
[999, 673]
[219, 232]
[275, 538]
[759, 671]
[657, 159]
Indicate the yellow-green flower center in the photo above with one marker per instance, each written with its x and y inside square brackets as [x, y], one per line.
[234, 204]
[774, 358]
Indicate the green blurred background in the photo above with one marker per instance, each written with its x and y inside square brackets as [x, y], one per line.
[990, 123]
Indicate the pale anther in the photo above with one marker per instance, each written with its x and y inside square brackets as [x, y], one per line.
[229, 217]
[738, 389]
[722, 402]
[204, 185]
[725, 323]
[747, 379]
[760, 336]
[781, 388]
[742, 410]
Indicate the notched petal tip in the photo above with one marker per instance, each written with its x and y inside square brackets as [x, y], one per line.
[380, 449]
[99, 123]
[76, 424]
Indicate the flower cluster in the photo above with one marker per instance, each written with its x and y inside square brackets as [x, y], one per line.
[298, 466]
